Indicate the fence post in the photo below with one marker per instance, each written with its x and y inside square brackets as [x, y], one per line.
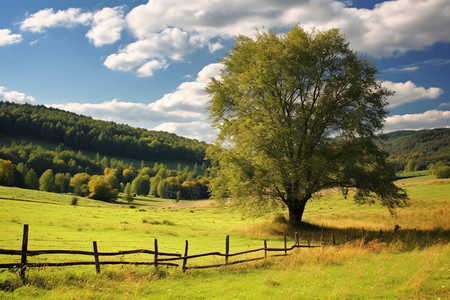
[363, 232]
[296, 239]
[156, 253]
[265, 249]
[185, 256]
[381, 234]
[227, 248]
[333, 239]
[23, 261]
[285, 245]
[97, 262]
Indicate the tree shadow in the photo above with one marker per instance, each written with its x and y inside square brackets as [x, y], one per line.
[327, 235]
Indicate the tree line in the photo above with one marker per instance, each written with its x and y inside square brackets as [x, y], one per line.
[85, 133]
[31, 166]
[417, 150]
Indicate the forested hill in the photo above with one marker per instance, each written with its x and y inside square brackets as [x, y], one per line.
[415, 150]
[85, 133]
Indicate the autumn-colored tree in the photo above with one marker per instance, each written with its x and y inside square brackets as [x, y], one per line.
[101, 190]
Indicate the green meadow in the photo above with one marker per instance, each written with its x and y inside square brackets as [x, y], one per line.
[412, 263]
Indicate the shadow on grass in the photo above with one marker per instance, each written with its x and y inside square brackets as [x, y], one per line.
[316, 234]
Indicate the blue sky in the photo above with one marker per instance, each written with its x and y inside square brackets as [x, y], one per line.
[146, 63]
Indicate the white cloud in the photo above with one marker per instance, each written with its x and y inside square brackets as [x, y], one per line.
[148, 69]
[408, 92]
[199, 130]
[48, 18]
[403, 69]
[6, 38]
[181, 112]
[14, 96]
[189, 96]
[427, 120]
[389, 28]
[169, 30]
[171, 43]
[107, 26]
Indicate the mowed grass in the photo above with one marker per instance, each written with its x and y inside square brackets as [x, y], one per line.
[397, 266]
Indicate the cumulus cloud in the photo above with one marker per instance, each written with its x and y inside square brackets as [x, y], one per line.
[169, 30]
[14, 96]
[171, 43]
[427, 120]
[107, 26]
[199, 130]
[189, 96]
[389, 28]
[150, 67]
[48, 18]
[408, 92]
[6, 38]
[181, 112]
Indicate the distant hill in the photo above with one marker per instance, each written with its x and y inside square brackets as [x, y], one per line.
[85, 133]
[415, 150]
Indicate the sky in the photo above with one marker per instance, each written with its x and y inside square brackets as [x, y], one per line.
[146, 63]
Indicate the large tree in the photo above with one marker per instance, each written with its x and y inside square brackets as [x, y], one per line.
[298, 113]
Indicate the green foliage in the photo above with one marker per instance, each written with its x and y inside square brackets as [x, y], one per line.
[278, 100]
[141, 185]
[79, 184]
[31, 180]
[6, 172]
[101, 190]
[47, 181]
[62, 182]
[40, 159]
[112, 180]
[128, 196]
[415, 150]
[85, 133]
[443, 172]
[163, 187]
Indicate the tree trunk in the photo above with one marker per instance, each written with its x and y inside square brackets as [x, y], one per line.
[296, 210]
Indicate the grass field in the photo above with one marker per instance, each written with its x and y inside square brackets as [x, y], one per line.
[413, 263]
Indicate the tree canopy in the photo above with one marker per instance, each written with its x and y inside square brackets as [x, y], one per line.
[298, 113]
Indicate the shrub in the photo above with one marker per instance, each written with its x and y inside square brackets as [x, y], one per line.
[74, 201]
[443, 172]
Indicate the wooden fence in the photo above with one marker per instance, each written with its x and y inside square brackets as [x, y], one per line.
[159, 258]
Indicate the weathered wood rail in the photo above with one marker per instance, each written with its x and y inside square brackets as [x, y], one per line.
[159, 258]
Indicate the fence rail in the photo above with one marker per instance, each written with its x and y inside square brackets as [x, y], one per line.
[159, 258]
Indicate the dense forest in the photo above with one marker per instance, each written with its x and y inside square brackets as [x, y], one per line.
[67, 163]
[85, 133]
[58, 151]
[416, 150]
[31, 166]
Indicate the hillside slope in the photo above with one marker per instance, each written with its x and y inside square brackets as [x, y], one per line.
[415, 150]
[85, 133]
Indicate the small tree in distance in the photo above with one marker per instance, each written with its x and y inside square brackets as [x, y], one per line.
[101, 190]
[128, 196]
[298, 113]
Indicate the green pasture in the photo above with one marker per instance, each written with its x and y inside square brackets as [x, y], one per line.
[413, 263]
